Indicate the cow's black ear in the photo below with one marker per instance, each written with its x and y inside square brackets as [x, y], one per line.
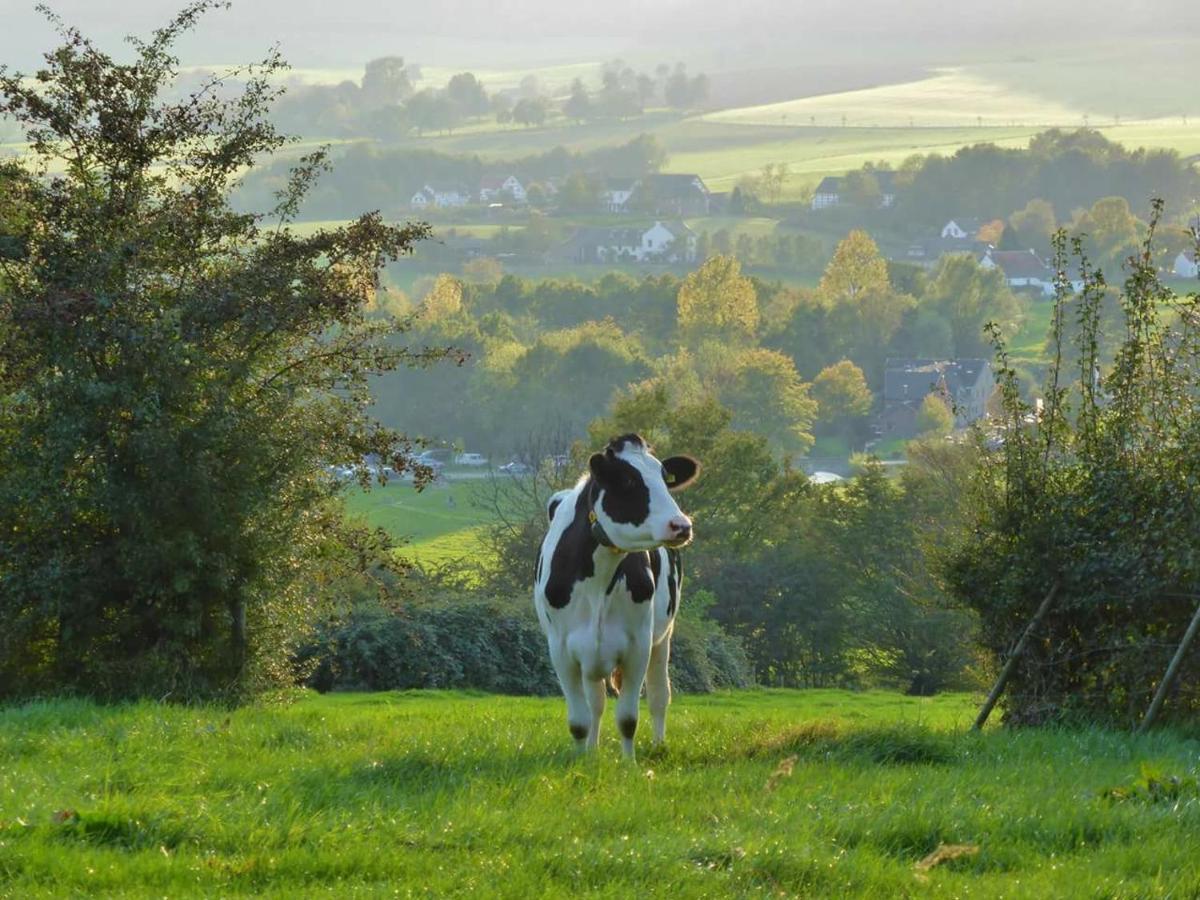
[680, 471]
[598, 464]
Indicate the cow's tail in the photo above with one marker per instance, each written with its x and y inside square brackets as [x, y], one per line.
[613, 682]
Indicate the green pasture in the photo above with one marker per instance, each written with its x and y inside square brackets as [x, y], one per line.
[823, 793]
[441, 524]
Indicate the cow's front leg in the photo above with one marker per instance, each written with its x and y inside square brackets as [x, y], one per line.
[658, 687]
[633, 673]
[571, 681]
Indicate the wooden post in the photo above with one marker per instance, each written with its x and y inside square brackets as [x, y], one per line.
[1172, 670]
[1006, 672]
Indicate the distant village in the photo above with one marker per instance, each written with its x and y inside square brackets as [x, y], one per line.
[664, 200]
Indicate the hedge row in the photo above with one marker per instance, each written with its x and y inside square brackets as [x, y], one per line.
[487, 645]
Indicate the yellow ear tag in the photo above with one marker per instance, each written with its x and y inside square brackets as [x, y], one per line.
[670, 478]
[591, 515]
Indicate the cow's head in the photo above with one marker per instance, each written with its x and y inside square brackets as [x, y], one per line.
[631, 493]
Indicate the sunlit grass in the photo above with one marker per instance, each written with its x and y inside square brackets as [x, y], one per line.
[948, 98]
[441, 524]
[454, 794]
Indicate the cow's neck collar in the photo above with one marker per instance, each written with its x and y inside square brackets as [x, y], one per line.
[599, 535]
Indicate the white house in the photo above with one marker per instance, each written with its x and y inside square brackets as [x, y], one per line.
[617, 192]
[1021, 268]
[438, 198]
[662, 242]
[670, 243]
[1187, 265]
[829, 191]
[492, 187]
[961, 229]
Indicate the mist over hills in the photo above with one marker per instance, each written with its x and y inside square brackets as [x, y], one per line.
[313, 33]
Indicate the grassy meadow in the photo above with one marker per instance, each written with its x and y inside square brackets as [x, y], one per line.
[759, 793]
[440, 524]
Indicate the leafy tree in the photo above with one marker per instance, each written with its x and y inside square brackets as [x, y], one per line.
[934, 418]
[767, 397]
[483, 270]
[856, 268]
[861, 190]
[1034, 225]
[968, 297]
[385, 82]
[1097, 493]
[530, 87]
[841, 393]
[531, 113]
[579, 193]
[1110, 231]
[640, 156]
[562, 378]
[579, 105]
[431, 110]
[683, 92]
[718, 300]
[771, 180]
[468, 94]
[444, 299]
[183, 374]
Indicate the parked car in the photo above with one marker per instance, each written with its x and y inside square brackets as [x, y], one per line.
[471, 459]
[439, 455]
[516, 467]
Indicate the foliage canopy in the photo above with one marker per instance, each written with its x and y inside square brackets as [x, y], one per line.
[173, 376]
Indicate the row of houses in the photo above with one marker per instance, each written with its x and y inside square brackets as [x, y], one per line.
[663, 242]
[661, 194]
[491, 190]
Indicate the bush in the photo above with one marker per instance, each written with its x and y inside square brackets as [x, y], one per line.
[490, 645]
[1098, 492]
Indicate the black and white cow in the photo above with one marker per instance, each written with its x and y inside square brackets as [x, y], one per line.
[607, 585]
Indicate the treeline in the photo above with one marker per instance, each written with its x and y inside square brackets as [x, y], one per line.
[367, 176]
[1068, 170]
[387, 105]
[555, 350]
[624, 93]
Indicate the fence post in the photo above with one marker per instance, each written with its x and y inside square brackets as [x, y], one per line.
[1006, 672]
[1169, 677]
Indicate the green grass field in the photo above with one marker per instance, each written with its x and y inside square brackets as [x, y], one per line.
[435, 530]
[757, 794]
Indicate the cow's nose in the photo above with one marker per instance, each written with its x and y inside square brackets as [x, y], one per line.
[680, 527]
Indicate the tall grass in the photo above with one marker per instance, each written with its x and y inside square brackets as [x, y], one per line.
[763, 793]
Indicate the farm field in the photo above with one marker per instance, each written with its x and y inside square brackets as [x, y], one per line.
[765, 793]
[947, 98]
[436, 531]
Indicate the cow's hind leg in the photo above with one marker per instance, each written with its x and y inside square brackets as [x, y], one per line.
[633, 671]
[595, 692]
[658, 687]
[571, 681]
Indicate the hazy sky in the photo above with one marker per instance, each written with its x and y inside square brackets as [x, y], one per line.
[325, 33]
